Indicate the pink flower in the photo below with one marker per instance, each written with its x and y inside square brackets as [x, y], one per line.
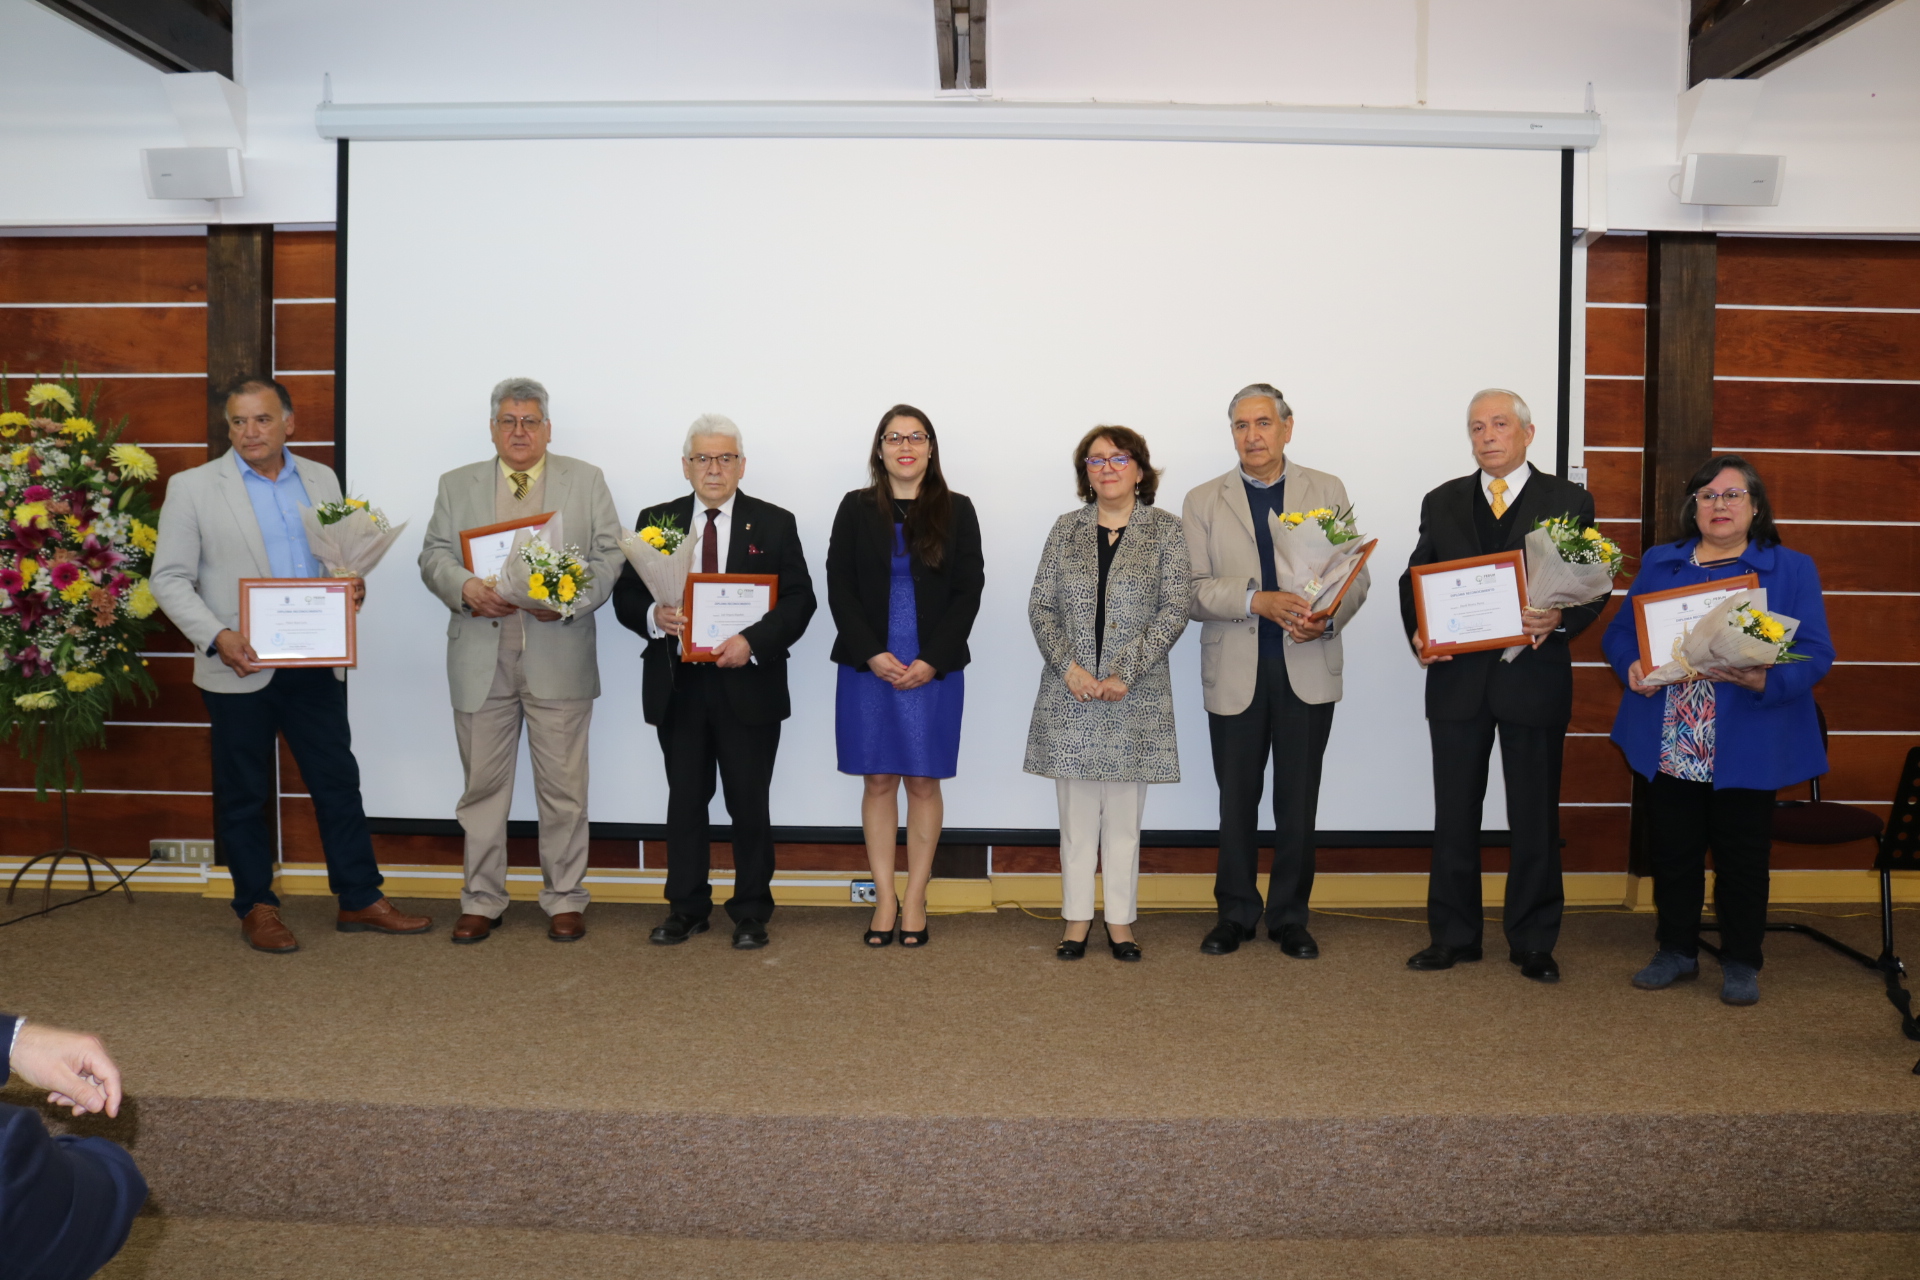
[64, 573]
[98, 558]
[119, 584]
[36, 493]
[11, 581]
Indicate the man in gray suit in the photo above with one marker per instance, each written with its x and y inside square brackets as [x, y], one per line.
[239, 517]
[1270, 669]
[509, 665]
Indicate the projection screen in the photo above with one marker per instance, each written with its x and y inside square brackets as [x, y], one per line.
[1019, 292]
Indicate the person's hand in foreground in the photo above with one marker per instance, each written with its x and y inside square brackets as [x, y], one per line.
[72, 1066]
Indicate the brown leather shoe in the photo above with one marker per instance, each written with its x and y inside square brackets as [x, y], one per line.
[472, 928]
[568, 926]
[264, 930]
[382, 917]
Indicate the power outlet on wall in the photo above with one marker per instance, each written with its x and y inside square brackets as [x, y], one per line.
[181, 851]
[863, 891]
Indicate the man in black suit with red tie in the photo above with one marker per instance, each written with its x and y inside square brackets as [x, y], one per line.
[1472, 696]
[723, 714]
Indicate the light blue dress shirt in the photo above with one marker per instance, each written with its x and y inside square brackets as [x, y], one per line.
[276, 506]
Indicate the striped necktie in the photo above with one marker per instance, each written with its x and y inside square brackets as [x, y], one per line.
[520, 482]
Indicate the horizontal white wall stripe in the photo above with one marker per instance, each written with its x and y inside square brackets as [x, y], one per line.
[1616, 377]
[111, 791]
[1865, 524]
[1850, 453]
[1616, 306]
[1871, 311]
[1865, 382]
[301, 373]
[156, 724]
[91, 306]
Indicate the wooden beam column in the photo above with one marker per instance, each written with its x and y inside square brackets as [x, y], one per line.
[1681, 289]
[239, 315]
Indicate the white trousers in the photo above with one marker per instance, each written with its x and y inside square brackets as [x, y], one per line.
[1100, 822]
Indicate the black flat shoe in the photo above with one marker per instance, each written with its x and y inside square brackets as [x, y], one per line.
[1070, 949]
[1225, 938]
[1128, 950]
[676, 929]
[1438, 957]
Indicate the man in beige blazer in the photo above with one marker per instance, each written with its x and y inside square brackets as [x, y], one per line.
[239, 517]
[507, 666]
[1271, 672]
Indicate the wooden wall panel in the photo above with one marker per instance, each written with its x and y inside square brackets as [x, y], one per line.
[1864, 416]
[1616, 341]
[1586, 645]
[303, 264]
[1814, 344]
[1875, 628]
[174, 459]
[1860, 557]
[1839, 486]
[312, 406]
[1594, 772]
[1616, 412]
[1596, 698]
[177, 700]
[103, 269]
[303, 336]
[135, 758]
[157, 410]
[1885, 699]
[114, 826]
[1617, 269]
[105, 340]
[1819, 273]
[1862, 768]
[1593, 840]
[1614, 481]
[320, 453]
[167, 639]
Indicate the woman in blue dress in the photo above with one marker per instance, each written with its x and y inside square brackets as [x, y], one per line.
[904, 575]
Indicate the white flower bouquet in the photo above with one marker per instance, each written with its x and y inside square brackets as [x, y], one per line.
[661, 552]
[1567, 566]
[1737, 633]
[349, 536]
[542, 571]
[1315, 552]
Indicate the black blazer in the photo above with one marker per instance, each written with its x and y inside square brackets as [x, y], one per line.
[860, 584]
[1536, 688]
[765, 540]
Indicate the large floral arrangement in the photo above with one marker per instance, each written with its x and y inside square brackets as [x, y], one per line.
[77, 533]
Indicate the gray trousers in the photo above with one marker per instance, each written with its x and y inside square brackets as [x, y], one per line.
[489, 749]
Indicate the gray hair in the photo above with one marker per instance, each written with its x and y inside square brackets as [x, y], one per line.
[1265, 390]
[519, 389]
[712, 424]
[1520, 410]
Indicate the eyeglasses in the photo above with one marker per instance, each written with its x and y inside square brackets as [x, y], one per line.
[705, 460]
[894, 437]
[508, 423]
[1732, 497]
[1118, 461]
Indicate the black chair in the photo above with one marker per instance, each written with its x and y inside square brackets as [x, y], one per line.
[1820, 821]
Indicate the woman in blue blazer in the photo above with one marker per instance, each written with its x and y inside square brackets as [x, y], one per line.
[1715, 750]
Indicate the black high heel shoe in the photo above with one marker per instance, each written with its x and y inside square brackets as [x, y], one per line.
[877, 938]
[1071, 949]
[911, 939]
[1128, 950]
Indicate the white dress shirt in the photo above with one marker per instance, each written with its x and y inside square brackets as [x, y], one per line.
[1516, 481]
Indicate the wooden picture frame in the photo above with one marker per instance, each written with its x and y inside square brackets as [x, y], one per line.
[330, 586]
[1516, 559]
[1366, 554]
[690, 652]
[467, 536]
[1719, 586]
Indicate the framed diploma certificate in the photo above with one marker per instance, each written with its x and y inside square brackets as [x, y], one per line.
[484, 550]
[1465, 605]
[1330, 605]
[1663, 618]
[720, 606]
[298, 622]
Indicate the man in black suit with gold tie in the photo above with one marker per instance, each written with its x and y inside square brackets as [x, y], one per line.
[724, 714]
[1472, 696]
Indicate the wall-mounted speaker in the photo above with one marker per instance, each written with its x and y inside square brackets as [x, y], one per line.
[193, 173]
[1721, 178]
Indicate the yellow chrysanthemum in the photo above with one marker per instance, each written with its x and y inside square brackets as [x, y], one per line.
[652, 536]
[78, 428]
[1590, 533]
[29, 567]
[42, 701]
[11, 421]
[32, 515]
[72, 522]
[49, 393]
[144, 536]
[537, 587]
[566, 587]
[19, 456]
[356, 503]
[81, 681]
[134, 462]
[1771, 630]
[141, 603]
[1320, 513]
[76, 591]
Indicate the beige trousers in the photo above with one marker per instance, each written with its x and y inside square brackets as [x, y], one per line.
[489, 749]
[1100, 822]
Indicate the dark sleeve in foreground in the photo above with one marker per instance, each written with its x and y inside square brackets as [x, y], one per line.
[66, 1203]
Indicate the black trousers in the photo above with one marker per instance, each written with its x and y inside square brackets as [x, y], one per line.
[66, 1203]
[1684, 820]
[1530, 764]
[701, 734]
[308, 707]
[1294, 733]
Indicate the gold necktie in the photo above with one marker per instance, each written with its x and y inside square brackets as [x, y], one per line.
[1498, 489]
[521, 479]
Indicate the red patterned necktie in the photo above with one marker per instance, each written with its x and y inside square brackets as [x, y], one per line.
[709, 544]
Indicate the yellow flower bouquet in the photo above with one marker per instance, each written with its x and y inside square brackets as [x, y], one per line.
[661, 552]
[544, 571]
[1315, 552]
[1567, 566]
[349, 536]
[1737, 633]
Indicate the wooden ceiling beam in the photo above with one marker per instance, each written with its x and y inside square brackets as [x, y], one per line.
[173, 35]
[1740, 39]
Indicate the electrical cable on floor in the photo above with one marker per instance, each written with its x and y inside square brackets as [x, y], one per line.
[98, 893]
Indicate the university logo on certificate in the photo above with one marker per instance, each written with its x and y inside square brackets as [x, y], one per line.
[1467, 605]
[298, 622]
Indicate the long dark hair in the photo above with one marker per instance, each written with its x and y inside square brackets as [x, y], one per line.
[932, 510]
[1762, 533]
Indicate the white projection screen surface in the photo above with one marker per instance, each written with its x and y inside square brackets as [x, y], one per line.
[1017, 291]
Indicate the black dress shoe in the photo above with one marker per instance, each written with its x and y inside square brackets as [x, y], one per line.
[676, 929]
[749, 934]
[1296, 941]
[1538, 965]
[1225, 938]
[1439, 957]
